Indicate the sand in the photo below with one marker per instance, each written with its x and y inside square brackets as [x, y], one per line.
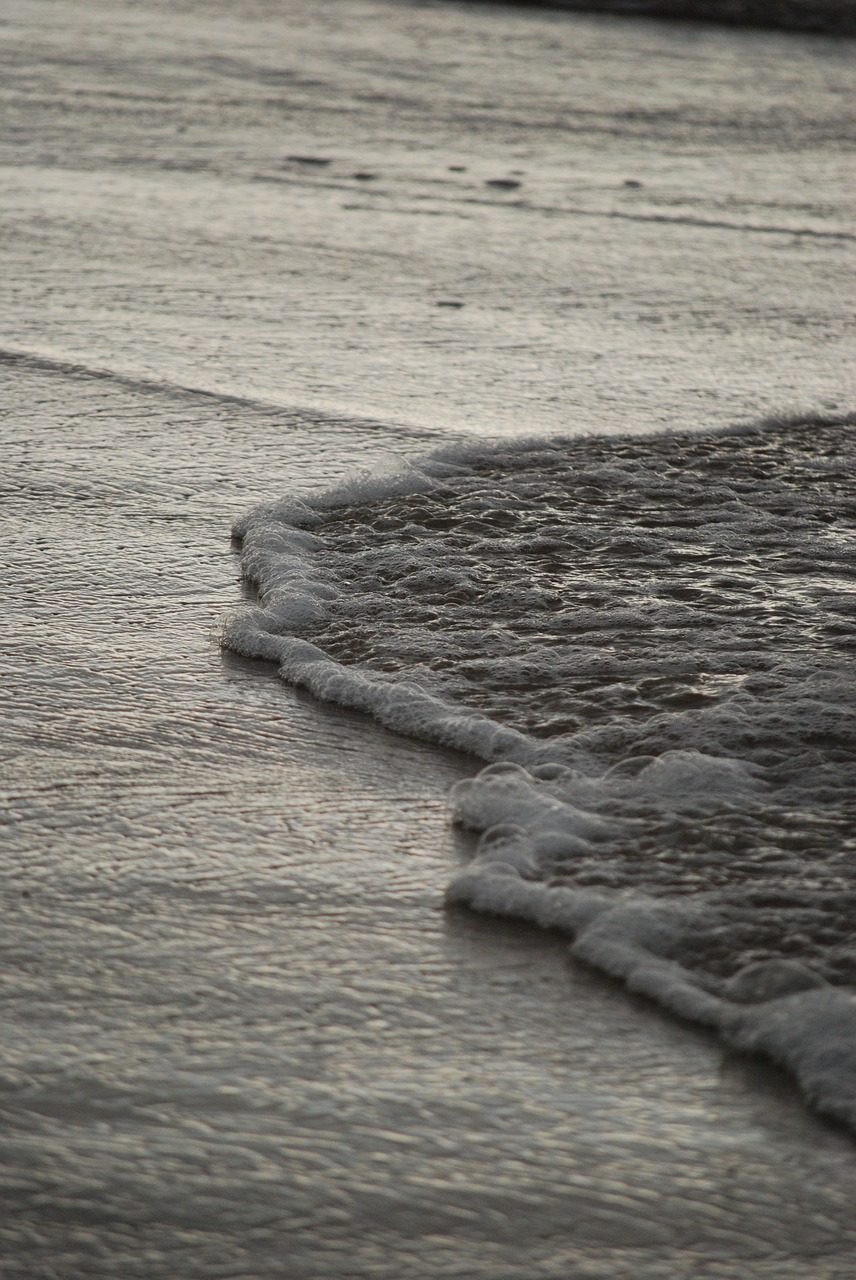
[242, 1034]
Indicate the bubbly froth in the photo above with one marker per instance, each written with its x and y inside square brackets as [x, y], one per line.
[653, 642]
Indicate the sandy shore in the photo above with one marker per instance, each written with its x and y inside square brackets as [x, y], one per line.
[242, 1036]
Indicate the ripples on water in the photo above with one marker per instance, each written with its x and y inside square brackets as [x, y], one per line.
[653, 640]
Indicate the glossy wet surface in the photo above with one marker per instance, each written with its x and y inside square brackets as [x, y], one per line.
[241, 1035]
[667, 623]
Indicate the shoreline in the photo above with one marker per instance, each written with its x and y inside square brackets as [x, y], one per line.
[243, 1035]
[241, 1026]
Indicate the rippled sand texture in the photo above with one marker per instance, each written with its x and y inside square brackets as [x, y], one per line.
[468, 218]
[241, 1036]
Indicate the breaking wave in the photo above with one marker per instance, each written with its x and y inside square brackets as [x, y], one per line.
[652, 642]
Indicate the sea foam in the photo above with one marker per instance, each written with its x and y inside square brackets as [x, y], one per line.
[651, 641]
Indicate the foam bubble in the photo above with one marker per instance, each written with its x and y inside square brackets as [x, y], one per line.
[652, 640]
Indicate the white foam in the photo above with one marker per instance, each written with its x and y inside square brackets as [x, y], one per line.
[813, 1034]
[400, 706]
[651, 641]
[793, 1017]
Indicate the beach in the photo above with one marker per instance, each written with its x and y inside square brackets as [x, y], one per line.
[256, 251]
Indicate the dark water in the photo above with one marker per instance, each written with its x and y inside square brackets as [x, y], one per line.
[834, 17]
[662, 632]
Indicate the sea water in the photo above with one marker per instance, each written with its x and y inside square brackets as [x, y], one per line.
[652, 642]
[241, 1035]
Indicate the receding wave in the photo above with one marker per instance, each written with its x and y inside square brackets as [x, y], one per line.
[652, 641]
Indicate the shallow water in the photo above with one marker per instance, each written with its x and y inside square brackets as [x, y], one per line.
[662, 631]
[243, 1033]
[282, 202]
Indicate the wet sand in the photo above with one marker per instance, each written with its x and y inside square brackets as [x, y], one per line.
[242, 1035]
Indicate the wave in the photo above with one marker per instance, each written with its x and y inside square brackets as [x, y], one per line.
[652, 642]
[42, 362]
